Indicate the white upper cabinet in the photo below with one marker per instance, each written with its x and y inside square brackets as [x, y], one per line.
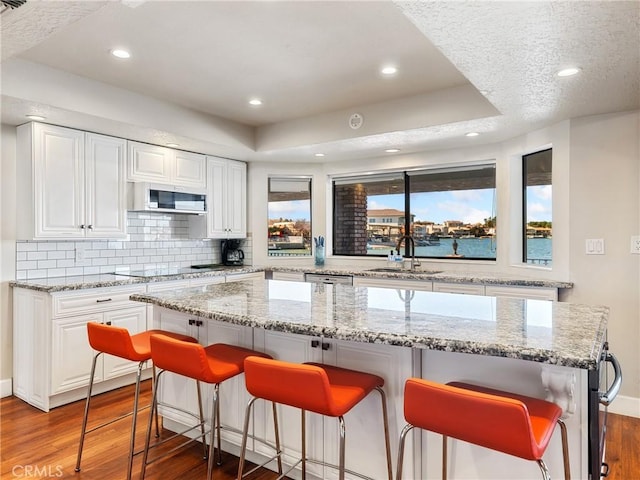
[71, 184]
[227, 197]
[152, 163]
[105, 193]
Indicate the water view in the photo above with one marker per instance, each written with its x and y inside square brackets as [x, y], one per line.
[538, 249]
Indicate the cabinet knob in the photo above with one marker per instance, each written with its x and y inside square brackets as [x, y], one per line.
[325, 346]
[90, 227]
[315, 343]
[82, 226]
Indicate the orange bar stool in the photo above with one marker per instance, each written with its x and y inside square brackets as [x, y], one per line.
[318, 388]
[213, 364]
[112, 340]
[506, 422]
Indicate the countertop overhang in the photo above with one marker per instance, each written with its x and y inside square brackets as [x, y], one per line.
[542, 331]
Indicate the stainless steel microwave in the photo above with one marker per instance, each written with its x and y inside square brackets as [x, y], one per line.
[152, 197]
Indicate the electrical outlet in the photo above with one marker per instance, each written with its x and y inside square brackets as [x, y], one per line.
[80, 253]
[635, 244]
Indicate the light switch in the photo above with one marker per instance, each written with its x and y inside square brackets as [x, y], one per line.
[595, 246]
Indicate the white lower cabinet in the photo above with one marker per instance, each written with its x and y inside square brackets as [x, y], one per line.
[181, 392]
[52, 356]
[365, 449]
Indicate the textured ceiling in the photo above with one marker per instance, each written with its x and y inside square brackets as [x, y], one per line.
[314, 64]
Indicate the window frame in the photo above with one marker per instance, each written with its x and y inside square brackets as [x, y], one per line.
[291, 178]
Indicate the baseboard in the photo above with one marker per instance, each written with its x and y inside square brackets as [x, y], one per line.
[623, 405]
[6, 388]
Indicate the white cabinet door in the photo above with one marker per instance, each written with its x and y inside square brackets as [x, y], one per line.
[216, 210]
[227, 192]
[149, 163]
[298, 349]
[133, 319]
[106, 207]
[236, 199]
[175, 389]
[156, 164]
[190, 169]
[71, 354]
[233, 394]
[58, 181]
[365, 447]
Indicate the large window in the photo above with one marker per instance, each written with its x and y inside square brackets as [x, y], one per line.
[537, 219]
[451, 213]
[289, 216]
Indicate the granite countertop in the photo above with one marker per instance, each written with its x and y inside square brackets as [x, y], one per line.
[432, 274]
[81, 282]
[56, 284]
[536, 330]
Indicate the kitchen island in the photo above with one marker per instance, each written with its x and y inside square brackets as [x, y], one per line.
[535, 347]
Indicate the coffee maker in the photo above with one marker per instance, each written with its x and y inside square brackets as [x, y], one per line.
[231, 253]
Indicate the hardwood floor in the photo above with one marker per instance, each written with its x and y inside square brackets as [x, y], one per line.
[34, 444]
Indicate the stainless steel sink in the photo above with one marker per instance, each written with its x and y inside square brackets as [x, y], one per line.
[403, 270]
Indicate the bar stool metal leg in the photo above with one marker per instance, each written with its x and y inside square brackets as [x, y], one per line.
[403, 435]
[387, 441]
[304, 443]
[245, 437]
[86, 410]
[565, 449]
[134, 420]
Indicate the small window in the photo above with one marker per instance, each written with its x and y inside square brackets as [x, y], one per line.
[537, 201]
[289, 216]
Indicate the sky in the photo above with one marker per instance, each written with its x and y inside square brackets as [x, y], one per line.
[468, 206]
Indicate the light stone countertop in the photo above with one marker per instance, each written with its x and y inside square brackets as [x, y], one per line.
[535, 330]
[57, 284]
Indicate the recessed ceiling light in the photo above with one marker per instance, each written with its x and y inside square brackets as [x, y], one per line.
[567, 72]
[120, 53]
[255, 102]
[173, 145]
[319, 154]
[389, 70]
[472, 134]
[392, 150]
[36, 117]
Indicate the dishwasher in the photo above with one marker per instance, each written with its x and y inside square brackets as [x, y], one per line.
[327, 278]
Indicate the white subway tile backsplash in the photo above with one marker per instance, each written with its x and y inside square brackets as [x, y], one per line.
[44, 264]
[153, 239]
[36, 255]
[26, 246]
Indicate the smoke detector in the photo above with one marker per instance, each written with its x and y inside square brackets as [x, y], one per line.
[356, 120]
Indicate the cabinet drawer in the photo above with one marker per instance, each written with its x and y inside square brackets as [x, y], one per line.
[93, 300]
[534, 293]
[465, 288]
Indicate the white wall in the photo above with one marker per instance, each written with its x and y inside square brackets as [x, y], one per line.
[7, 251]
[605, 203]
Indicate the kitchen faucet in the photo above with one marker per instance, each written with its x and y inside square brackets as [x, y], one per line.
[414, 263]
